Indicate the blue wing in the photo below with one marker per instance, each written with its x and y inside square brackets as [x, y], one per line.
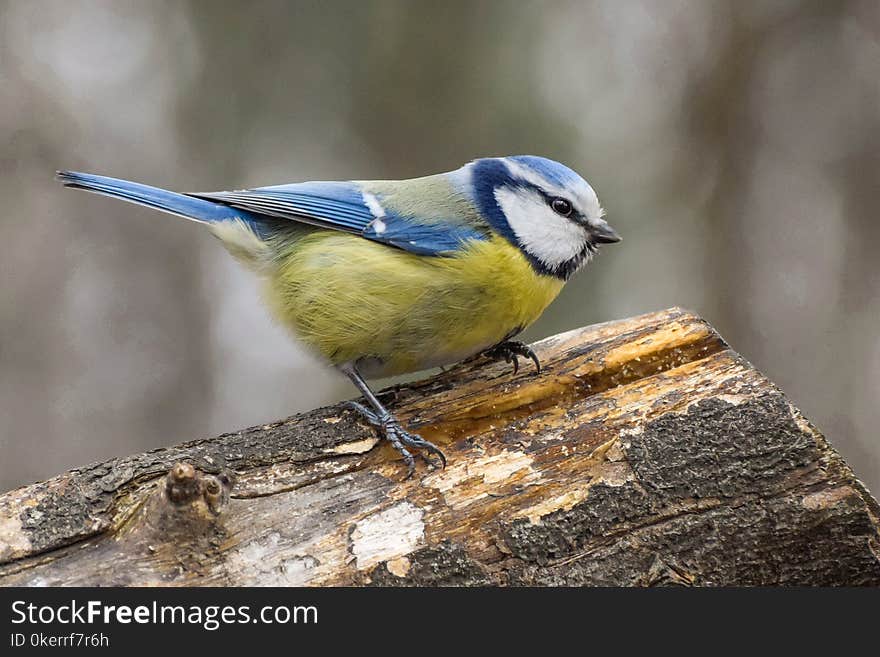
[342, 206]
[421, 239]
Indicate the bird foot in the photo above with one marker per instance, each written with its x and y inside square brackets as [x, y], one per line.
[399, 438]
[510, 352]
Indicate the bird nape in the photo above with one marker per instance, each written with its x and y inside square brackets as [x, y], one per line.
[385, 277]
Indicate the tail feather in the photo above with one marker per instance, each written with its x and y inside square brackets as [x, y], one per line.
[174, 203]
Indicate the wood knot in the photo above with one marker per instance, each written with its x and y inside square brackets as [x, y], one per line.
[184, 486]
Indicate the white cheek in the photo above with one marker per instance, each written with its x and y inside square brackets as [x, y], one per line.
[552, 239]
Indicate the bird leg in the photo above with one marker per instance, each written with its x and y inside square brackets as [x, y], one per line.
[510, 352]
[388, 425]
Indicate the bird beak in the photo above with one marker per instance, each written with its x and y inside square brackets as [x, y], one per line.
[604, 234]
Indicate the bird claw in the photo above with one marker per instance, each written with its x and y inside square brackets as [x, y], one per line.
[364, 412]
[510, 352]
[399, 438]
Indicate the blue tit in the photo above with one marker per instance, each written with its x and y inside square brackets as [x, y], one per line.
[386, 277]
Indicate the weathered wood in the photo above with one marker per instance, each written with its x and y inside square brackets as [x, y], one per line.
[646, 453]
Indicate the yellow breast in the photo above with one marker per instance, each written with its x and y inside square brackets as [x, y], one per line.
[354, 300]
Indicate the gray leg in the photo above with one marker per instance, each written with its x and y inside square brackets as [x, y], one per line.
[388, 425]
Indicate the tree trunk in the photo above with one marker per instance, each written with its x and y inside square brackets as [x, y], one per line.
[646, 452]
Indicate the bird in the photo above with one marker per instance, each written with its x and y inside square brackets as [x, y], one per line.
[386, 277]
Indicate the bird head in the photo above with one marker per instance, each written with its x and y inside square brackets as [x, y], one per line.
[544, 208]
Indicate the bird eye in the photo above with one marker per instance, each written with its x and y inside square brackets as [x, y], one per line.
[561, 206]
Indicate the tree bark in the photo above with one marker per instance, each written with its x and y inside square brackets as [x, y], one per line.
[647, 452]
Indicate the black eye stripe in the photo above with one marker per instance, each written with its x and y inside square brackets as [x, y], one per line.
[574, 215]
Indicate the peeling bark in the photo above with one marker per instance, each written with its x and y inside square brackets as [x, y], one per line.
[646, 453]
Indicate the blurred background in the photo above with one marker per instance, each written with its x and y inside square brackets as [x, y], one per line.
[735, 146]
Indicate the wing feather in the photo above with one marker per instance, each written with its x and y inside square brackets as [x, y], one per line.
[342, 206]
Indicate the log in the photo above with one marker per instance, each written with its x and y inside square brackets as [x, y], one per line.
[647, 452]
